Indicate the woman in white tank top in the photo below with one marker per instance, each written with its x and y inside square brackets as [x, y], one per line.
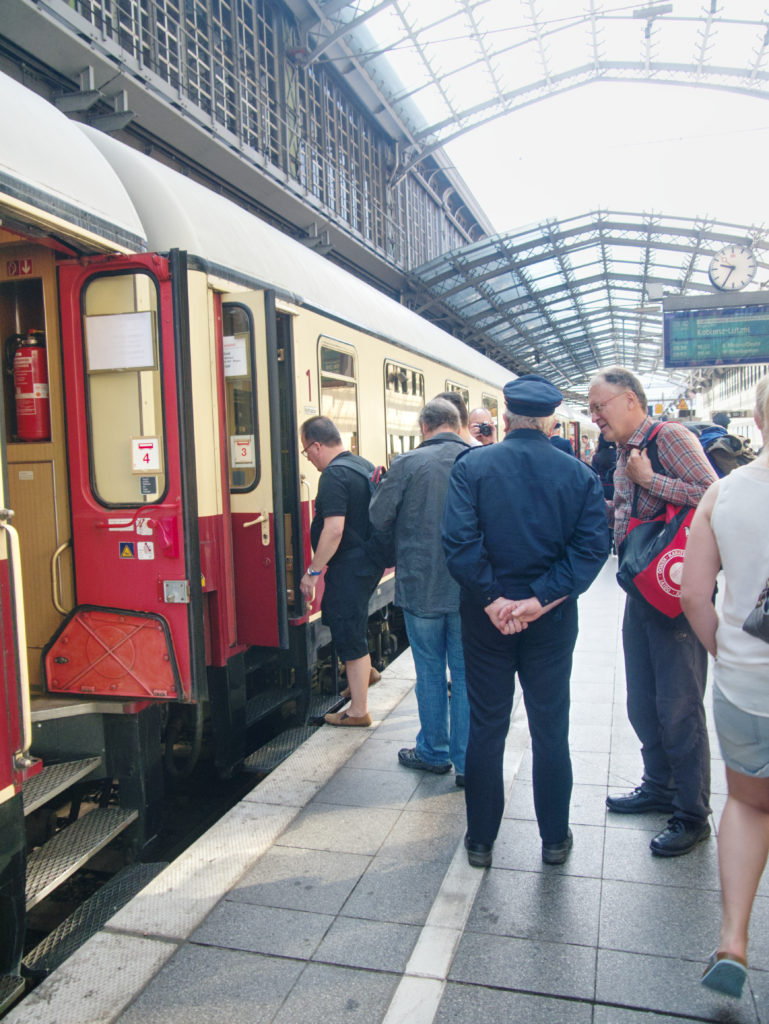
[729, 531]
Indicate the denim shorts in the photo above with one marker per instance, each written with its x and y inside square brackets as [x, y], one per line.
[743, 737]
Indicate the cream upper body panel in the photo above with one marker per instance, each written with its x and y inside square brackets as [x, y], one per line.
[53, 177]
[178, 212]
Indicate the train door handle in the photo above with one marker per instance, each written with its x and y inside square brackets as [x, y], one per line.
[262, 519]
[55, 585]
[21, 757]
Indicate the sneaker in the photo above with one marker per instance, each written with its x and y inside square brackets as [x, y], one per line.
[409, 758]
[638, 802]
[679, 837]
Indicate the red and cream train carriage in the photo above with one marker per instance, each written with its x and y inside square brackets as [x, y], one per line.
[161, 503]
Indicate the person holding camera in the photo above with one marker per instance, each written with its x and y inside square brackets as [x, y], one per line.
[483, 429]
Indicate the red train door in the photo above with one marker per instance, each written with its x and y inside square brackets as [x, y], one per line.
[136, 630]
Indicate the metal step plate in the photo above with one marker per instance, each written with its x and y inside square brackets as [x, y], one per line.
[260, 705]
[54, 779]
[89, 917]
[68, 850]
[322, 703]
[271, 754]
[11, 989]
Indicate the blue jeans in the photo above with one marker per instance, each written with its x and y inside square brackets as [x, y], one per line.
[444, 724]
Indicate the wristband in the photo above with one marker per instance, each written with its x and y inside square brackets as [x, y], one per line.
[313, 572]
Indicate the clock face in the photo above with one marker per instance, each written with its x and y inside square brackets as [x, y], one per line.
[732, 268]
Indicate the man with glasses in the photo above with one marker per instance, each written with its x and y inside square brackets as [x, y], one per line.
[339, 535]
[665, 664]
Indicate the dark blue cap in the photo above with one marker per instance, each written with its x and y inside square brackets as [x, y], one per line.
[532, 395]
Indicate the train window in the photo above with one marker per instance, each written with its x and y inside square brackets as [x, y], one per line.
[240, 396]
[404, 398]
[491, 404]
[124, 389]
[339, 390]
[465, 394]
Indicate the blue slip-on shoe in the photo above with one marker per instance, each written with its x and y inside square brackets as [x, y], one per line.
[409, 758]
[725, 974]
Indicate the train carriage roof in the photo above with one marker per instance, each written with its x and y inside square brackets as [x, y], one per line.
[179, 213]
[53, 178]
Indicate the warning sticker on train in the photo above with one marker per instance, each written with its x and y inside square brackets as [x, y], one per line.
[127, 549]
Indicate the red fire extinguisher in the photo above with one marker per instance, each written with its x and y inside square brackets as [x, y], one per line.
[26, 359]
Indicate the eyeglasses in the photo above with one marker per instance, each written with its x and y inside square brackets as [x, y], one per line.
[596, 408]
[306, 450]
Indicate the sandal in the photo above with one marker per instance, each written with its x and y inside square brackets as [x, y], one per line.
[726, 974]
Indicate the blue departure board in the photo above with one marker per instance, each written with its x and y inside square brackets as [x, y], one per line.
[721, 336]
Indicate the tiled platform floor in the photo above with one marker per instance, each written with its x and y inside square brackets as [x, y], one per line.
[338, 891]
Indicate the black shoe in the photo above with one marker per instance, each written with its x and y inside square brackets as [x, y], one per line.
[409, 758]
[478, 854]
[556, 853]
[679, 837]
[459, 780]
[638, 802]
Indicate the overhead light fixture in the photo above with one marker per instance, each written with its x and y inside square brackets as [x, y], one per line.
[653, 11]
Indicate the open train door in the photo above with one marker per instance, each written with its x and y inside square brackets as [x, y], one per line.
[254, 438]
[137, 627]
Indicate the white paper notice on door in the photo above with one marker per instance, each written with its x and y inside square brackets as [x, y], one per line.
[120, 341]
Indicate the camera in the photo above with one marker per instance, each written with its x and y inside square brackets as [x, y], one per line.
[485, 429]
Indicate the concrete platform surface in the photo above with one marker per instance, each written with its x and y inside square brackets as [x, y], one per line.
[338, 891]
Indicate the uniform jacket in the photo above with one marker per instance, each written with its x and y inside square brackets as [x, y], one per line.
[405, 513]
[523, 519]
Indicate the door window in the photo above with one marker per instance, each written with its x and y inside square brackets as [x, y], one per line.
[461, 391]
[240, 397]
[124, 389]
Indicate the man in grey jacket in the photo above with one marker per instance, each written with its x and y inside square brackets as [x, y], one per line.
[405, 514]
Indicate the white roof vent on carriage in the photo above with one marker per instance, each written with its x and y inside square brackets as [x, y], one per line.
[53, 177]
[179, 213]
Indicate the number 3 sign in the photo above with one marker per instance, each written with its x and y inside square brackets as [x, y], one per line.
[145, 455]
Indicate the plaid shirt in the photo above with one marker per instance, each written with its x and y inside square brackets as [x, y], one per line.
[688, 474]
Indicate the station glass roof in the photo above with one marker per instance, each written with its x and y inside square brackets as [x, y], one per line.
[562, 298]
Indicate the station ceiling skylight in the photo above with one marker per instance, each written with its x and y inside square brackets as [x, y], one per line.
[448, 66]
[562, 298]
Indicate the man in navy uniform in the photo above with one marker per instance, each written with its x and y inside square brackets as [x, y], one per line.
[561, 442]
[525, 532]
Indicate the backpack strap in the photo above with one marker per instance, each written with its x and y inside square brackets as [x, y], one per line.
[649, 445]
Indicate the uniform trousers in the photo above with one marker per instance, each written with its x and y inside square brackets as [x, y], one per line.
[665, 668]
[542, 657]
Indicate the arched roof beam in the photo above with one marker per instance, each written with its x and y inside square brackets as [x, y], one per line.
[718, 78]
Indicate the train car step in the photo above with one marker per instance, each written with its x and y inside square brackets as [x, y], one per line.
[89, 917]
[53, 862]
[54, 779]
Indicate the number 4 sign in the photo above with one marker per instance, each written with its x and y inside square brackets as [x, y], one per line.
[145, 455]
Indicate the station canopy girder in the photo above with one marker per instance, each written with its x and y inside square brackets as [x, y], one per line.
[559, 297]
[566, 297]
[446, 67]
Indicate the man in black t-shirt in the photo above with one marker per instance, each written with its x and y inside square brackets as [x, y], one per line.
[338, 534]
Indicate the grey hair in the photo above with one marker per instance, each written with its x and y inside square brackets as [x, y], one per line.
[438, 413]
[624, 379]
[516, 422]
